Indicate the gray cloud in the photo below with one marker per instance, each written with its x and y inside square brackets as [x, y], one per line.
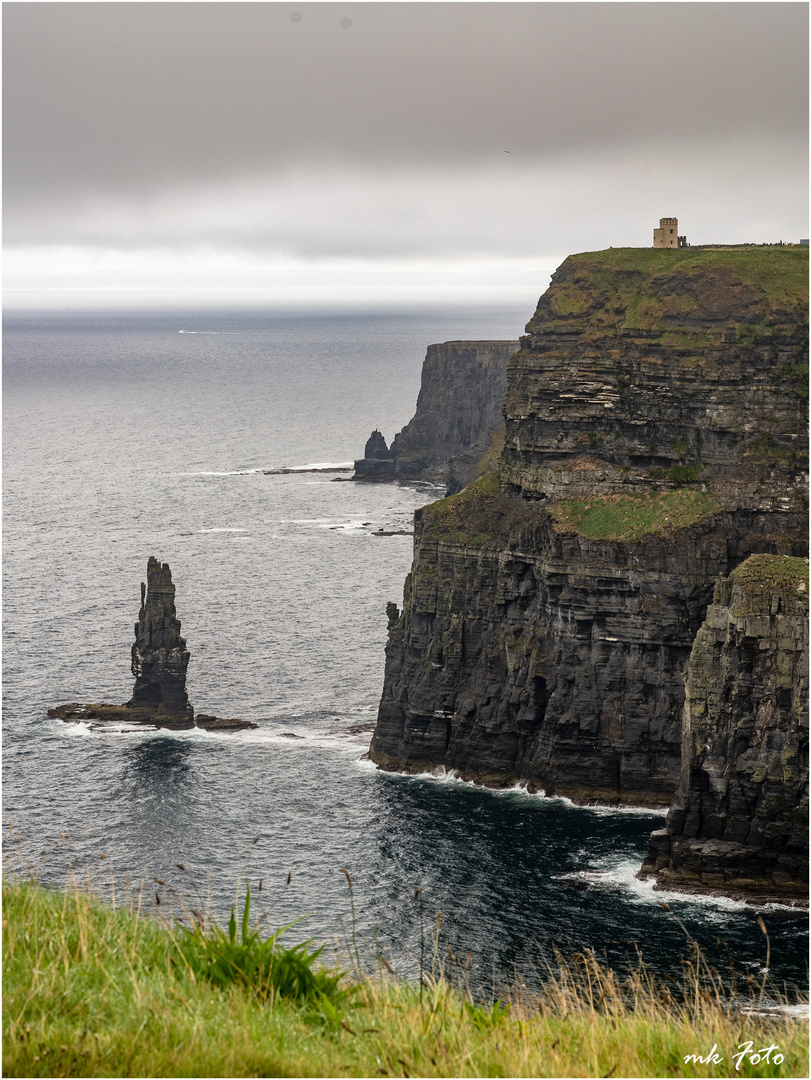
[378, 130]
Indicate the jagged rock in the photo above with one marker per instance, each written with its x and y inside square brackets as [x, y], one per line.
[376, 447]
[739, 821]
[458, 408]
[159, 662]
[377, 462]
[551, 607]
[159, 655]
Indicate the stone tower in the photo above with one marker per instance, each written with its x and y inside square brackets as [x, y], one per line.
[667, 235]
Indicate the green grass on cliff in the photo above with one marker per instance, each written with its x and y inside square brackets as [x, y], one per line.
[93, 991]
[762, 576]
[479, 516]
[632, 517]
[751, 289]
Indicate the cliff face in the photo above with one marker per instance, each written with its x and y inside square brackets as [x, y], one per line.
[639, 369]
[653, 440]
[459, 406]
[739, 821]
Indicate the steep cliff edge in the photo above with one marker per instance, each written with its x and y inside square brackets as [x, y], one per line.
[739, 821]
[458, 408]
[655, 437]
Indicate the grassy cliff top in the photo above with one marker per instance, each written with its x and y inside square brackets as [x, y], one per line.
[763, 576]
[755, 289]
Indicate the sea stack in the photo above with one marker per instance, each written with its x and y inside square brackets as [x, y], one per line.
[159, 662]
[377, 462]
[159, 655]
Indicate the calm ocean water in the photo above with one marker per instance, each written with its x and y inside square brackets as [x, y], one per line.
[125, 438]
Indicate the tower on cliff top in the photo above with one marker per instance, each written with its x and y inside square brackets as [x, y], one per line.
[667, 235]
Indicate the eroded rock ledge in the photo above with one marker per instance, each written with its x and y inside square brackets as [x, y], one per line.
[159, 662]
[739, 821]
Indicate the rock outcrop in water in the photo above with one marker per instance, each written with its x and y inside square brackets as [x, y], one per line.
[377, 462]
[159, 654]
[159, 662]
[655, 438]
[458, 410]
[739, 821]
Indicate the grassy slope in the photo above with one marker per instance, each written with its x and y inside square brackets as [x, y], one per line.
[480, 516]
[89, 991]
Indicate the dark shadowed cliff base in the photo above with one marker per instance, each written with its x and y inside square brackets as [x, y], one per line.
[655, 438]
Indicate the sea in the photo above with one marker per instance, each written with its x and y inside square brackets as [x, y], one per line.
[157, 432]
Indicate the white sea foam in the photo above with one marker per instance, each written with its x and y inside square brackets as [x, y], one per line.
[348, 526]
[444, 776]
[224, 529]
[321, 465]
[302, 742]
[313, 466]
[622, 873]
[798, 1011]
[308, 521]
[229, 472]
[76, 730]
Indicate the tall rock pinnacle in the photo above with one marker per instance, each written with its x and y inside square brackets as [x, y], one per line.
[159, 662]
[159, 655]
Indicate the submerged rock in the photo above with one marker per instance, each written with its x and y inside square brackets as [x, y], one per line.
[159, 662]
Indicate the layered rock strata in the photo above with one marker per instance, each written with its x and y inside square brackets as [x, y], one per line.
[159, 654]
[159, 662]
[655, 437]
[739, 821]
[458, 408]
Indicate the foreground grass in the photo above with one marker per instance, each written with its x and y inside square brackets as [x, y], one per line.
[92, 991]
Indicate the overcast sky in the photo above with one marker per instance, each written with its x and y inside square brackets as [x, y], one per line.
[329, 145]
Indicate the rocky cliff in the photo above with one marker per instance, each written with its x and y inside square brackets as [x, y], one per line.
[739, 821]
[458, 409]
[159, 654]
[655, 437]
